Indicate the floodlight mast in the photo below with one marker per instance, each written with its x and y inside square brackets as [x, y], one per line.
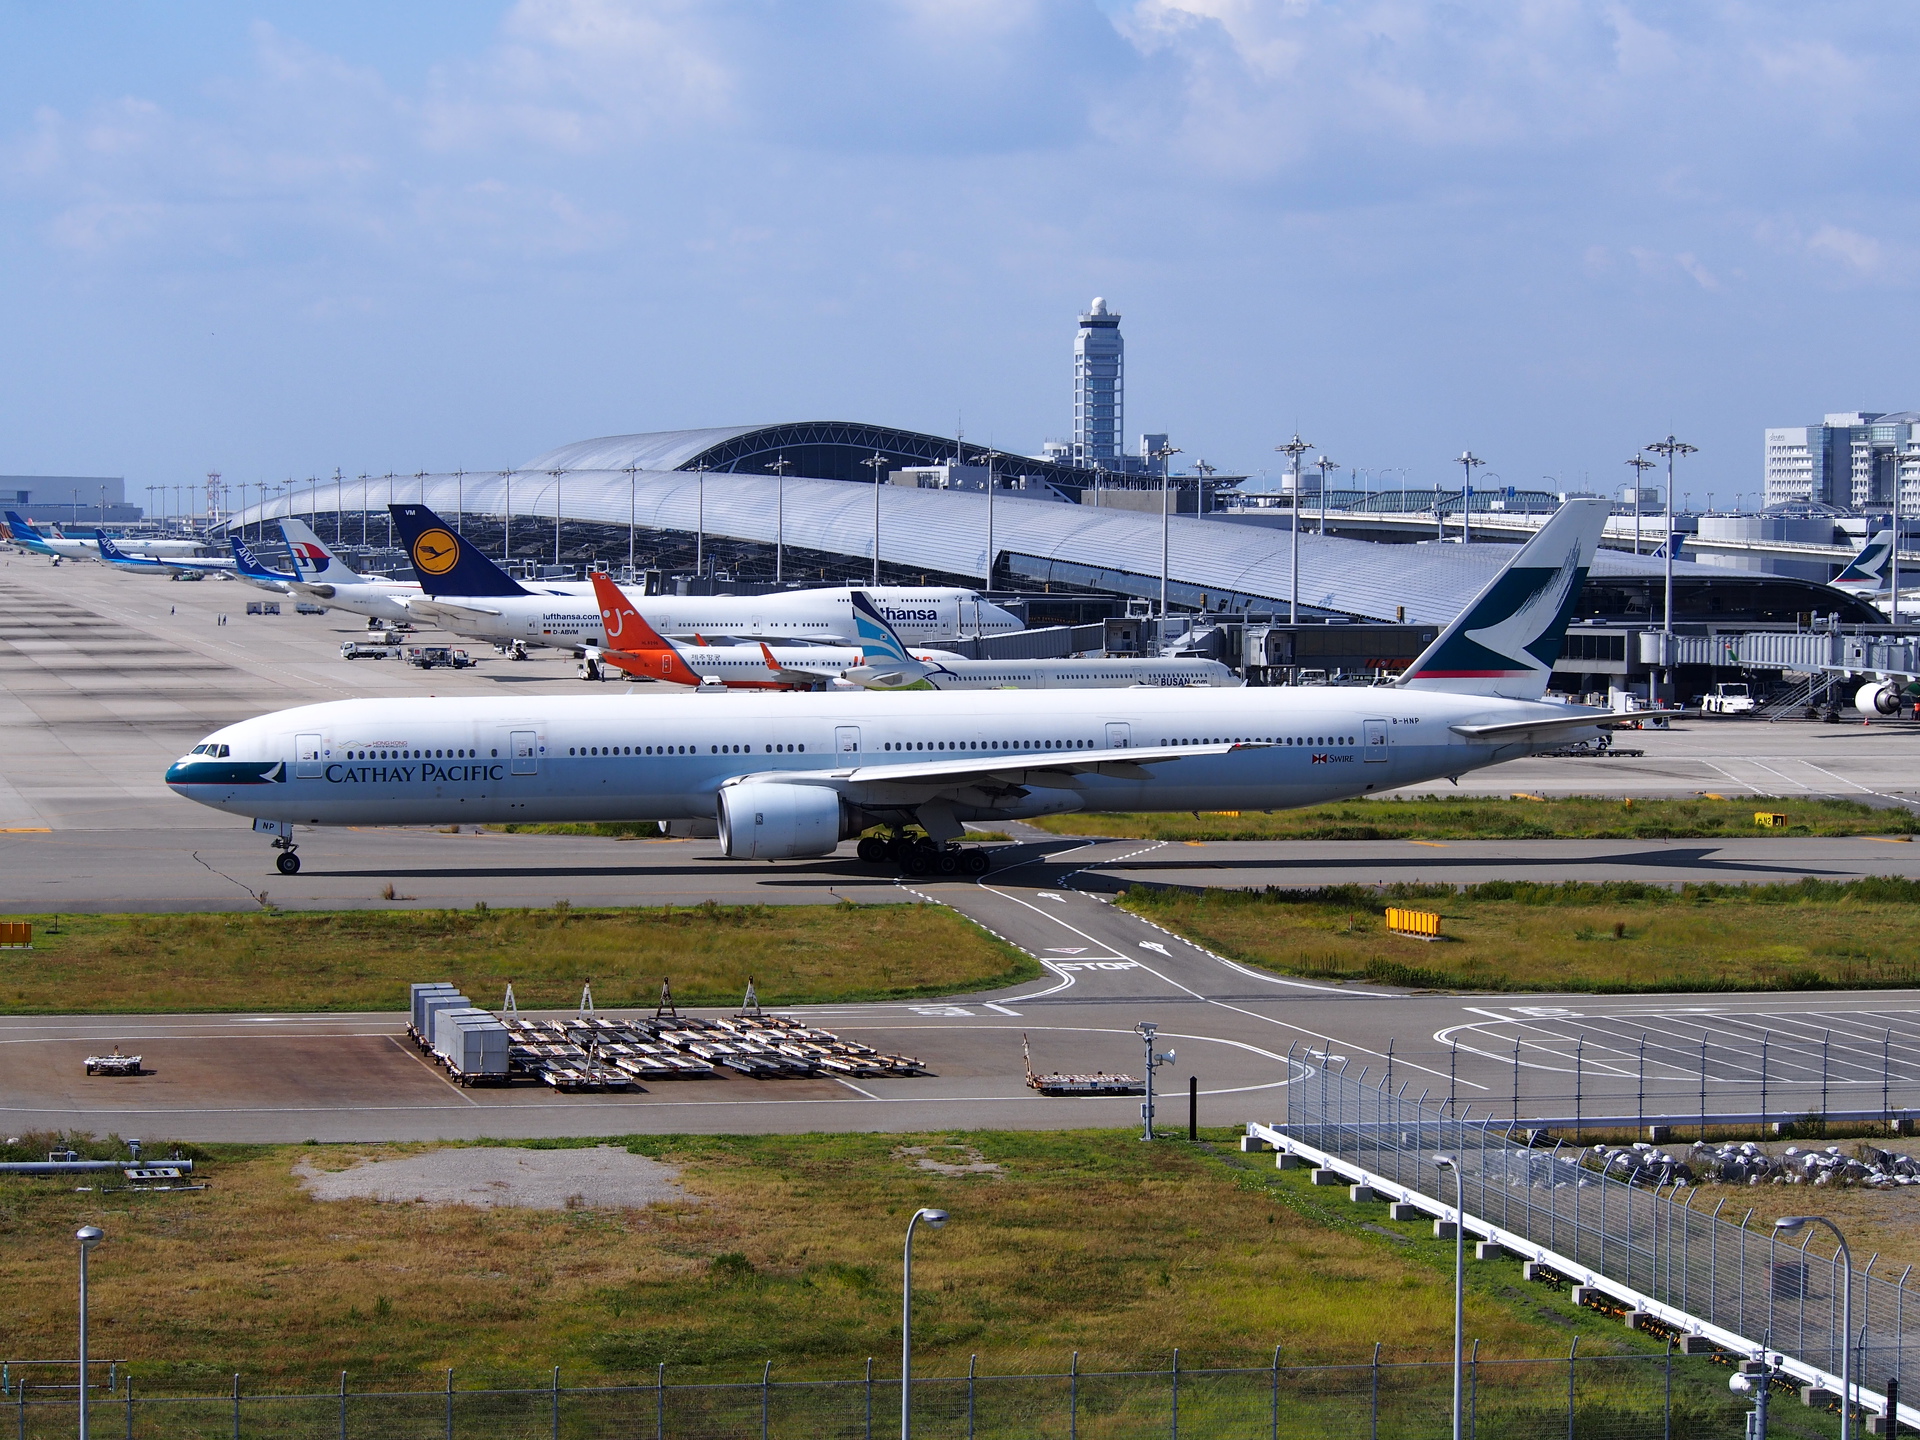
[1165, 456]
[878, 464]
[779, 466]
[1293, 450]
[1467, 461]
[1640, 465]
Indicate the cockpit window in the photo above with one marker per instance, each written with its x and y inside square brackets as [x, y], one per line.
[199, 750]
[219, 751]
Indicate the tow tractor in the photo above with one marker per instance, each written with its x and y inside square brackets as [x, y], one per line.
[1729, 697]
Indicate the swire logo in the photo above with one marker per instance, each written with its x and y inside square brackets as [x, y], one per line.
[1323, 759]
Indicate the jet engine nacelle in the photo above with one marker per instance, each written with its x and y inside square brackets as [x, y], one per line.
[1877, 697]
[769, 820]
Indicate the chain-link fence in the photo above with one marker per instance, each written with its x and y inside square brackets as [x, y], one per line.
[1680, 1245]
[1571, 1398]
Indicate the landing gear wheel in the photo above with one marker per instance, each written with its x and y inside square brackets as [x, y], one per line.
[947, 862]
[873, 850]
[288, 863]
[917, 860]
[977, 862]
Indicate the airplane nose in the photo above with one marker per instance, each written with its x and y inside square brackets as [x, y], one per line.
[177, 773]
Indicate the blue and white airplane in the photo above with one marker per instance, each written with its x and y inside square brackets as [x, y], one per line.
[247, 566]
[174, 565]
[891, 666]
[64, 547]
[784, 776]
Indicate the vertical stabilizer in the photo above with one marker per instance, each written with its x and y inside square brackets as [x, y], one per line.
[1868, 572]
[1506, 641]
[444, 561]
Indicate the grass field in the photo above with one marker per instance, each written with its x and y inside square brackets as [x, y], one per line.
[1472, 818]
[1087, 1241]
[1606, 938]
[364, 959]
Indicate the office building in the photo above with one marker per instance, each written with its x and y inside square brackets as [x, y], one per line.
[1852, 460]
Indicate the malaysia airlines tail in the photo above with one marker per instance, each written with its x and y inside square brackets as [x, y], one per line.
[444, 561]
[316, 564]
[1506, 641]
[632, 644]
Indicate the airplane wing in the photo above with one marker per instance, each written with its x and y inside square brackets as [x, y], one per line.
[1550, 727]
[797, 672]
[1039, 767]
[435, 605]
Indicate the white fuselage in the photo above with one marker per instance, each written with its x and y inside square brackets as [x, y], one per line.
[664, 757]
[1065, 674]
[566, 615]
[381, 599]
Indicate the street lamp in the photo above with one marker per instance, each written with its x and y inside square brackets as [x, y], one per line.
[1451, 1162]
[1640, 465]
[779, 466]
[1670, 447]
[1147, 1030]
[1467, 461]
[90, 1236]
[878, 464]
[1788, 1224]
[933, 1220]
[1293, 450]
[1324, 465]
[1165, 456]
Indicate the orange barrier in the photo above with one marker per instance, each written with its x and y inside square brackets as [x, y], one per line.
[16, 934]
[1422, 924]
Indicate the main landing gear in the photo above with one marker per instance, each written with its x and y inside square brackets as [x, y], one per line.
[919, 856]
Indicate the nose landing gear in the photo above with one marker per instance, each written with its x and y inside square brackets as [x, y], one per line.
[287, 862]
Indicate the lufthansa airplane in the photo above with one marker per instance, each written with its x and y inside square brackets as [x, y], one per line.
[789, 776]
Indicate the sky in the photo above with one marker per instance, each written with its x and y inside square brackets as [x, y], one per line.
[275, 239]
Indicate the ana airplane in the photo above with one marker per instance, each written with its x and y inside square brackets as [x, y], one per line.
[466, 592]
[247, 566]
[786, 776]
[63, 547]
[171, 566]
[889, 665]
[323, 576]
[149, 546]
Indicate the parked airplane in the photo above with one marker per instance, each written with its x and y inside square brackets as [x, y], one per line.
[322, 576]
[891, 666]
[151, 547]
[784, 776]
[637, 648]
[173, 565]
[64, 547]
[468, 593]
[247, 566]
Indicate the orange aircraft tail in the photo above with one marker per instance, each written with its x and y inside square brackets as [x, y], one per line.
[632, 644]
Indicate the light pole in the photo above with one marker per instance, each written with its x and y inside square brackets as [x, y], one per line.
[459, 502]
[90, 1236]
[700, 527]
[1640, 465]
[1147, 1030]
[1670, 447]
[506, 518]
[1203, 504]
[1324, 465]
[878, 464]
[1788, 1224]
[556, 517]
[1467, 461]
[933, 1220]
[1293, 450]
[1452, 1162]
[987, 588]
[1165, 456]
[632, 504]
[779, 466]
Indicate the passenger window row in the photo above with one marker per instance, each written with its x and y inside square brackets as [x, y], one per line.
[988, 745]
[414, 754]
[1265, 740]
[610, 750]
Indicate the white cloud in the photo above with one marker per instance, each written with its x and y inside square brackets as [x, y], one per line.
[1862, 254]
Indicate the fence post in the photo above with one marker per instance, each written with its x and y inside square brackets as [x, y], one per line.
[1886, 1078]
[1826, 1042]
[766, 1397]
[1766, 1039]
[236, 1406]
[343, 1407]
[1516, 1080]
[1073, 1400]
[1373, 1426]
[1176, 1393]
[1640, 1089]
[1703, 1083]
[449, 1404]
[660, 1402]
[973, 1362]
[1579, 1072]
[1473, 1402]
[129, 1406]
[1273, 1402]
[556, 1402]
[869, 1397]
[1193, 1107]
[1667, 1408]
[1572, 1351]
[22, 1393]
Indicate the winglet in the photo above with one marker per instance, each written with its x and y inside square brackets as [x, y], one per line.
[1506, 641]
[772, 664]
[632, 644]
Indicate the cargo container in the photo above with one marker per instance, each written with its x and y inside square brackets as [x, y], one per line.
[473, 1046]
[419, 991]
[430, 1008]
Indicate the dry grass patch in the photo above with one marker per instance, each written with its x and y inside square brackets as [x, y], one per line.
[1086, 1241]
[1618, 937]
[1440, 817]
[364, 959]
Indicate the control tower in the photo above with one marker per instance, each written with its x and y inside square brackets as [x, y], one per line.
[1099, 385]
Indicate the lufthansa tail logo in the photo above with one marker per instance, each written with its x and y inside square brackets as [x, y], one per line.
[436, 552]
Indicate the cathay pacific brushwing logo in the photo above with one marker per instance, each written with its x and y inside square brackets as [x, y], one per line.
[1518, 626]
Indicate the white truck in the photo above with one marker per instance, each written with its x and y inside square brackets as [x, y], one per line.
[1729, 697]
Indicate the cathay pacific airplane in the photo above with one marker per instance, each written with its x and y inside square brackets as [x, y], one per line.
[789, 776]
[469, 594]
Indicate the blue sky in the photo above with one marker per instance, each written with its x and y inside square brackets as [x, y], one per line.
[272, 239]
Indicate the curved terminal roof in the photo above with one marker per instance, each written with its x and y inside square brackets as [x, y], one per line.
[945, 531]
